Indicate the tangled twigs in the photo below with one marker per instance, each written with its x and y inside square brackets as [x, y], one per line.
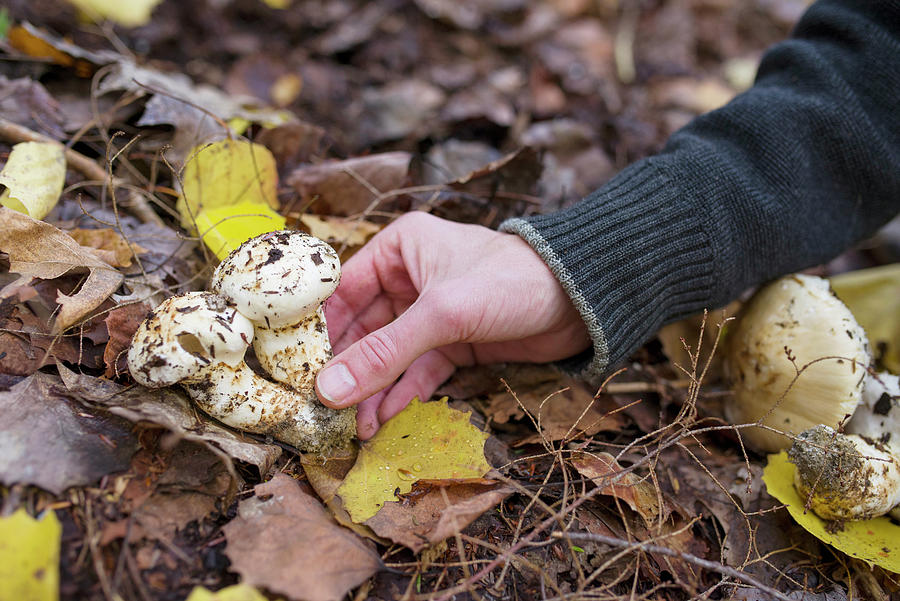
[138, 205]
[698, 561]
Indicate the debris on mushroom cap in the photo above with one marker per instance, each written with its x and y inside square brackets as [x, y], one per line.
[800, 315]
[845, 476]
[279, 277]
[184, 335]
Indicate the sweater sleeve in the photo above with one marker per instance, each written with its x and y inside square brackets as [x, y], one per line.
[786, 176]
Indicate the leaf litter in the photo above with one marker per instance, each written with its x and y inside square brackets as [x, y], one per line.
[474, 111]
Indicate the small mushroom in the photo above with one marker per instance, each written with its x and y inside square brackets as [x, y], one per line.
[794, 323]
[198, 341]
[279, 281]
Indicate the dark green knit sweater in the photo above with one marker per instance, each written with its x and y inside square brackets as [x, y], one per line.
[786, 176]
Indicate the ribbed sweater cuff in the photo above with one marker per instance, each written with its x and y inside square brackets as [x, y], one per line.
[632, 256]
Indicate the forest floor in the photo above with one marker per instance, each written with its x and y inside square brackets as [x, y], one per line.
[475, 111]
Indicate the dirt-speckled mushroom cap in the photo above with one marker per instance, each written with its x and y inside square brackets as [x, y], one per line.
[801, 314]
[184, 335]
[279, 277]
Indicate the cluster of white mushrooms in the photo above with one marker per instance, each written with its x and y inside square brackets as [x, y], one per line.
[800, 367]
[269, 293]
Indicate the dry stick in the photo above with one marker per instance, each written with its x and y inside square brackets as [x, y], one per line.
[703, 563]
[87, 167]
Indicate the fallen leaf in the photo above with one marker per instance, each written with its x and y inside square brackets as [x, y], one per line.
[133, 13]
[229, 194]
[292, 143]
[225, 228]
[563, 409]
[235, 592]
[172, 410]
[345, 188]
[226, 173]
[435, 510]
[50, 441]
[283, 540]
[873, 296]
[424, 441]
[26, 102]
[121, 323]
[194, 485]
[39, 250]
[339, 232]
[639, 493]
[875, 541]
[29, 557]
[27, 344]
[110, 246]
[398, 109]
[34, 175]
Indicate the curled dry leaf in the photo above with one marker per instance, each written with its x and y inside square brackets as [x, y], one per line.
[639, 493]
[435, 510]
[39, 250]
[283, 540]
[121, 323]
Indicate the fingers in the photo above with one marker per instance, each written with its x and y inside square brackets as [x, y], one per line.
[376, 360]
[367, 416]
[421, 380]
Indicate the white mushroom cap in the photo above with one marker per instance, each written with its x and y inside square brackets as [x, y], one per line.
[798, 313]
[279, 277]
[184, 335]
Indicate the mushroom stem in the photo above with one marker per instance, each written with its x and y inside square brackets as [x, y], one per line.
[240, 398]
[294, 354]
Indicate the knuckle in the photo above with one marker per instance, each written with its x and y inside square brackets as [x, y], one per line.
[378, 351]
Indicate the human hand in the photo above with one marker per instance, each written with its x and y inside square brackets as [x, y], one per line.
[426, 296]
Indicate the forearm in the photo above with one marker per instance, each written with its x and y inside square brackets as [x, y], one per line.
[786, 176]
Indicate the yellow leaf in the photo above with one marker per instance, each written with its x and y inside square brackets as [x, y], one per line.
[227, 173]
[235, 592]
[873, 296]
[424, 441]
[29, 557]
[223, 229]
[34, 176]
[132, 13]
[875, 541]
[278, 4]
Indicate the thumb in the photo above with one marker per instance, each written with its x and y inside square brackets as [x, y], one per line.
[375, 361]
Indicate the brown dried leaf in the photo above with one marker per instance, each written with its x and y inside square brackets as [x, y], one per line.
[558, 407]
[121, 323]
[435, 510]
[337, 188]
[170, 409]
[49, 440]
[39, 250]
[110, 246]
[639, 493]
[285, 541]
[26, 344]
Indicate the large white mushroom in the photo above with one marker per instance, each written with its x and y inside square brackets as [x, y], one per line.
[791, 324]
[799, 364]
[198, 341]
